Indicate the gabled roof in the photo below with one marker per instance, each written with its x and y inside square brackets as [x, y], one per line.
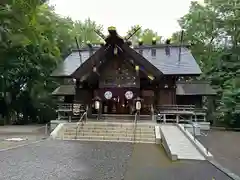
[71, 63]
[87, 65]
[167, 64]
[194, 88]
[64, 90]
[170, 64]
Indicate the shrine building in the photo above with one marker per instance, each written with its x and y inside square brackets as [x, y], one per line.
[116, 75]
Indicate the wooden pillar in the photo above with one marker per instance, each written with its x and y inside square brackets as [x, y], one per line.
[100, 111]
[177, 118]
[69, 117]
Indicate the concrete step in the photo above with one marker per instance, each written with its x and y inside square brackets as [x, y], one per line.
[111, 138]
[110, 130]
[152, 135]
[109, 124]
[106, 126]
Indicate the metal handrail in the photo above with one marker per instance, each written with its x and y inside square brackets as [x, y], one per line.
[135, 126]
[81, 122]
[194, 134]
[45, 128]
[191, 123]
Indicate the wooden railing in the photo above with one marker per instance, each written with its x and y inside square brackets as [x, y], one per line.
[179, 108]
[174, 108]
[64, 107]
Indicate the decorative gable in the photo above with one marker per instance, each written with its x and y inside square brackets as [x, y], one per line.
[117, 73]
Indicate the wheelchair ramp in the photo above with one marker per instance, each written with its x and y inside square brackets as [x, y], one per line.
[177, 145]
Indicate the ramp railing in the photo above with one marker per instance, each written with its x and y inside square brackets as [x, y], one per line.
[81, 122]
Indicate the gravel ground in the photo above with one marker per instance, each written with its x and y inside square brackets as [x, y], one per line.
[75, 160]
[225, 147]
[65, 160]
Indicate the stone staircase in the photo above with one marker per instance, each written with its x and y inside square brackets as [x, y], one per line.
[111, 131]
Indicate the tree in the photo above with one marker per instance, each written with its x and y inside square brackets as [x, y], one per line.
[212, 31]
[33, 40]
[85, 31]
[146, 35]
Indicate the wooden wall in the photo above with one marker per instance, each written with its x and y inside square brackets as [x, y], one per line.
[190, 100]
[166, 97]
[83, 96]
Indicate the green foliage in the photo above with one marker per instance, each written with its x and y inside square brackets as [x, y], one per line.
[145, 34]
[212, 29]
[33, 40]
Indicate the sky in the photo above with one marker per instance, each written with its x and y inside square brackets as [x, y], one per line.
[158, 15]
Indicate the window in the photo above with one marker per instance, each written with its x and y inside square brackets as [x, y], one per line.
[154, 52]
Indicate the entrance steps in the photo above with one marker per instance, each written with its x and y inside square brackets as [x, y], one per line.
[110, 131]
[177, 145]
[123, 117]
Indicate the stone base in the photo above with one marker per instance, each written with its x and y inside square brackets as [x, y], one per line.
[55, 123]
[204, 125]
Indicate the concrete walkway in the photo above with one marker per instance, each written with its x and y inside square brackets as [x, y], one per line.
[30, 134]
[225, 147]
[150, 162]
[179, 144]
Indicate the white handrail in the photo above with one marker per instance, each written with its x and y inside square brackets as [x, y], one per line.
[41, 127]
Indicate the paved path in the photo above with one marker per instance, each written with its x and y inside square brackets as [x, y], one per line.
[31, 133]
[225, 147]
[150, 162]
[75, 160]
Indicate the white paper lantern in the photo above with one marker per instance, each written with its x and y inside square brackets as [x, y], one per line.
[138, 105]
[97, 104]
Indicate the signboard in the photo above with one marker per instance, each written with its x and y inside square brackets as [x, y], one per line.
[129, 95]
[108, 94]
[76, 109]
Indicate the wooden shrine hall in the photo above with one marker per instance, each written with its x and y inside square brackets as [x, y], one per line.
[116, 74]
